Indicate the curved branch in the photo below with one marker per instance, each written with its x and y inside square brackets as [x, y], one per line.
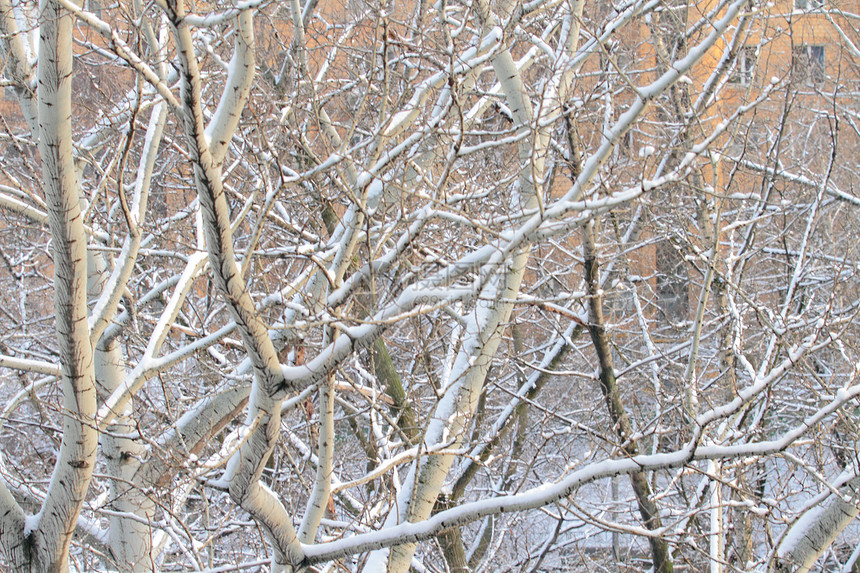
[549, 493]
[105, 308]
[240, 76]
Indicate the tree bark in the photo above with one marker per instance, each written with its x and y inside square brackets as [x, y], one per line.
[810, 536]
[46, 546]
[660, 554]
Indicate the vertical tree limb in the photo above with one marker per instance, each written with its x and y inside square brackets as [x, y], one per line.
[76, 460]
[621, 425]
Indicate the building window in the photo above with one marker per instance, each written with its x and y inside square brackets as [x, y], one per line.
[95, 6]
[808, 64]
[745, 66]
[808, 5]
[673, 283]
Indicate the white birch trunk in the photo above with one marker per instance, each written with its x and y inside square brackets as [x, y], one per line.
[18, 66]
[811, 535]
[263, 420]
[717, 537]
[485, 327]
[240, 76]
[130, 536]
[318, 501]
[49, 541]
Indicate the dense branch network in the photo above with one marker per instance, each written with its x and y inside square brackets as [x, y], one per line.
[327, 269]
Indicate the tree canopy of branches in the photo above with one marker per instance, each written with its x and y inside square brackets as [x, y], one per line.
[451, 286]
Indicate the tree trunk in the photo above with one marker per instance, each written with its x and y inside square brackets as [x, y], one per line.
[661, 556]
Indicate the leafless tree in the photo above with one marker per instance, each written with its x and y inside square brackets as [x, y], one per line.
[450, 287]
